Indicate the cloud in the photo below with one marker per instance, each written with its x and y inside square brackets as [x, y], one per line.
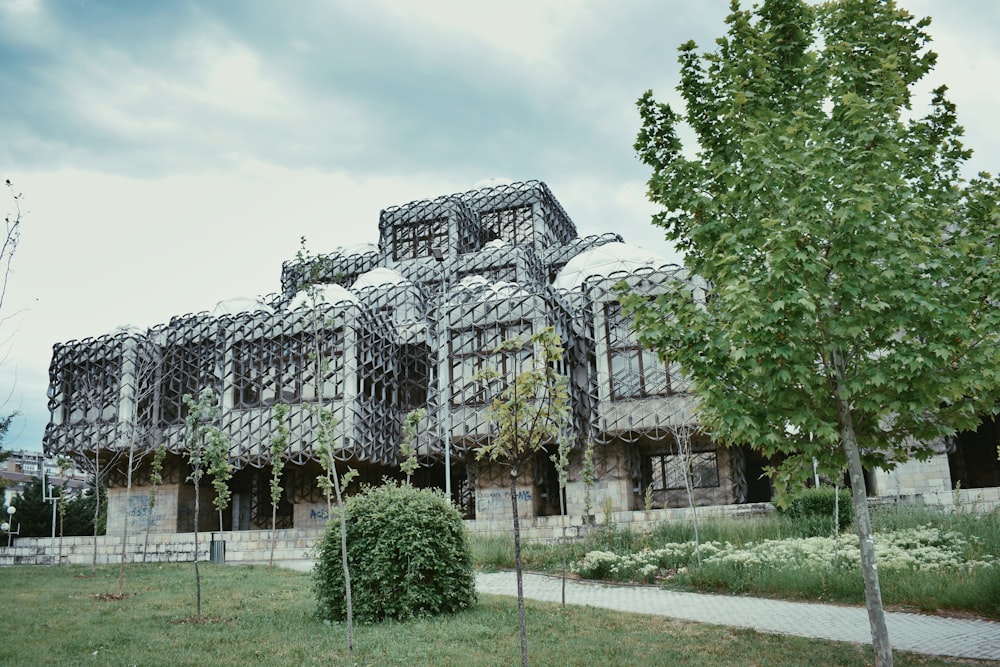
[172, 154]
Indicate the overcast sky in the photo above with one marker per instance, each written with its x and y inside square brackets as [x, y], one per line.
[171, 154]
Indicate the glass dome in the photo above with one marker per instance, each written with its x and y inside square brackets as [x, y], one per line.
[240, 304]
[604, 261]
[356, 249]
[380, 276]
[328, 293]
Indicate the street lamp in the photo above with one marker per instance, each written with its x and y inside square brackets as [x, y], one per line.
[445, 385]
[8, 525]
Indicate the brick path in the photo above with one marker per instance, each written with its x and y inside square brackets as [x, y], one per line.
[918, 633]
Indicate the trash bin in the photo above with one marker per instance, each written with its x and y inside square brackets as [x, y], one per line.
[217, 550]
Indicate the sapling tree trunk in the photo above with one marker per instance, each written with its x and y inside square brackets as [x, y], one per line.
[682, 437]
[64, 468]
[128, 496]
[528, 412]
[97, 506]
[561, 460]
[327, 422]
[862, 522]
[278, 446]
[155, 478]
[521, 616]
[200, 437]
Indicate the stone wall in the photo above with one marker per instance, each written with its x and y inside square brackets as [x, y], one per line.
[914, 478]
[247, 546]
[137, 512]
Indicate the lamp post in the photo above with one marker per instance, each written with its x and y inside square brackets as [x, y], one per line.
[8, 525]
[50, 497]
[444, 383]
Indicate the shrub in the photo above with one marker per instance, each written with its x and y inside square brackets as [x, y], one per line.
[408, 554]
[813, 509]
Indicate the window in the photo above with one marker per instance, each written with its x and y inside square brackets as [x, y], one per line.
[666, 471]
[515, 225]
[187, 369]
[281, 370]
[472, 351]
[419, 238]
[90, 391]
[414, 369]
[635, 371]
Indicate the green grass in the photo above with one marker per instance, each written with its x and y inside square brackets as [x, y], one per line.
[977, 591]
[64, 616]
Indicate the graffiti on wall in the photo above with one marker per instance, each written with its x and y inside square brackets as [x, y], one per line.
[495, 501]
[139, 513]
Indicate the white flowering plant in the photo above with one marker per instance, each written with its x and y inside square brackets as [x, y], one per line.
[924, 548]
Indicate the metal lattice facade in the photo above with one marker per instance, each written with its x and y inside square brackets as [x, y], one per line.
[403, 325]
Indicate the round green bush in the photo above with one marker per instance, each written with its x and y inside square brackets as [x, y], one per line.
[408, 554]
[813, 509]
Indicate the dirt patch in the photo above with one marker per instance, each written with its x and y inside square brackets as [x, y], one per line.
[111, 597]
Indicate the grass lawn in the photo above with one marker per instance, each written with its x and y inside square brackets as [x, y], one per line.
[66, 616]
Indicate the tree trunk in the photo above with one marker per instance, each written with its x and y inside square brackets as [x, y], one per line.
[274, 531]
[348, 603]
[517, 568]
[128, 497]
[97, 506]
[682, 438]
[149, 521]
[197, 571]
[862, 522]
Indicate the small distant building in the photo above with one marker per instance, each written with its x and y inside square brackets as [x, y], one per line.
[22, 466]
[404, 325]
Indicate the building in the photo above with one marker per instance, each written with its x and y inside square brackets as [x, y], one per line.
[401, 326]
[22, 466]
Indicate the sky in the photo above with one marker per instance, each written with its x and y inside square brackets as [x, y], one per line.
[171, 154]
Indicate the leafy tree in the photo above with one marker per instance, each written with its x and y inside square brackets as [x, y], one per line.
[155, 479]
[330, 481]
[201, 437]
[588, 475]
[528, 412]
[852, 269]
[407, 453]
[34, 513]
[64, 465]
[82, 510]
[561, 461]
[279, 445]
[220, 470]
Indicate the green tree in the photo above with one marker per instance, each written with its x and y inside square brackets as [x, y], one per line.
[200, 437]
[330, 481]
[560, 459]
[220, 470]
[528, 412]
[279, 445]
[155, 479]
[852, 270]
[65, 465]
[408, 462]
[34, 513]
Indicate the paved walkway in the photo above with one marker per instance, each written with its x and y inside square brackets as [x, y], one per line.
[919, 633]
